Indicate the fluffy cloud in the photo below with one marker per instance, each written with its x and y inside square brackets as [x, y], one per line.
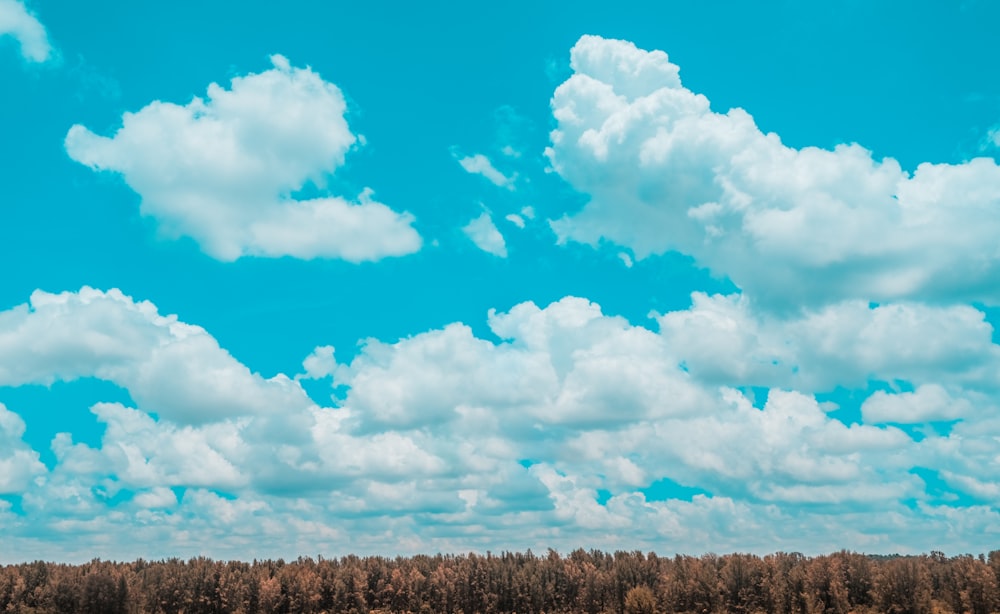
[724, 340]
[789, 226]
[16, 21]
[594, 396]
[173, 369]
[441, 436]
[222, 170]
[484, 233]
[927, 403]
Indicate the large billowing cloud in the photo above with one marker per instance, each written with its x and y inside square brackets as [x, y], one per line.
[223, 170]
[789, 226]
[16, 21]
[558, 431]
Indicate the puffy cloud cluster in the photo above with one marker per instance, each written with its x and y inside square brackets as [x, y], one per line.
[16, 21]
[727, 341]
[789, 226]
[446, 440]
[170, 368]
[223, 170]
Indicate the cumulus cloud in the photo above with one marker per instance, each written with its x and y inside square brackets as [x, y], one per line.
[451, 440]
[595, 396]
[789, 226]
[223, 170]
[479, 164]
[16, 21]
[173, 369]
[484, 233]
[724, 340]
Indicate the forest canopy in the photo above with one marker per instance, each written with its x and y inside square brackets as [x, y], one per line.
[591, 582]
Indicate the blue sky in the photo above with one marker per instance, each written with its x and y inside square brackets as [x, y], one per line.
[395, 279]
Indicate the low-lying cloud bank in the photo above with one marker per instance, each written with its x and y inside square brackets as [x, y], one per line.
[576, 427]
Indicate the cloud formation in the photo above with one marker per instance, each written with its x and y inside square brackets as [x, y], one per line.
[16, 21]
[446, 440]
[554, 425]
[485, 234]
[175, 370]
[19, 464]
[223, 170]
[479, 164]
[789, 226]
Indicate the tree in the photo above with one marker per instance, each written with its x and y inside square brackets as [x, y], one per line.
[640, 600]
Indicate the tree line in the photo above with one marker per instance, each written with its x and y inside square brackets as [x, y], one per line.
[591, 582]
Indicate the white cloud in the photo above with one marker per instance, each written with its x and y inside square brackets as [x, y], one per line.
[320, 363]
[927, 403]
[598, 397]
[484, 233]
[19, 464]
[447, 440]
[222, 170]
[158, 497]
[481, 165]
[16, 21]
[789, 226]
[515, 219]
[725, 341]
[171, 368]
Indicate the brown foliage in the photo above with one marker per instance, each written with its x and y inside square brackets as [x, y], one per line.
[591, 582]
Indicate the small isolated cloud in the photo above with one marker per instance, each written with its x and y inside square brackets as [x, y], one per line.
[222, 170]
[993, 137]
[665, 172]
[519, 219]
[481, 165]
[515, 219]
[486, 236]
[16, 21]
[320, 363]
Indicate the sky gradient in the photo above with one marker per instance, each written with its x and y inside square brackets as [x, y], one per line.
[394, 279]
